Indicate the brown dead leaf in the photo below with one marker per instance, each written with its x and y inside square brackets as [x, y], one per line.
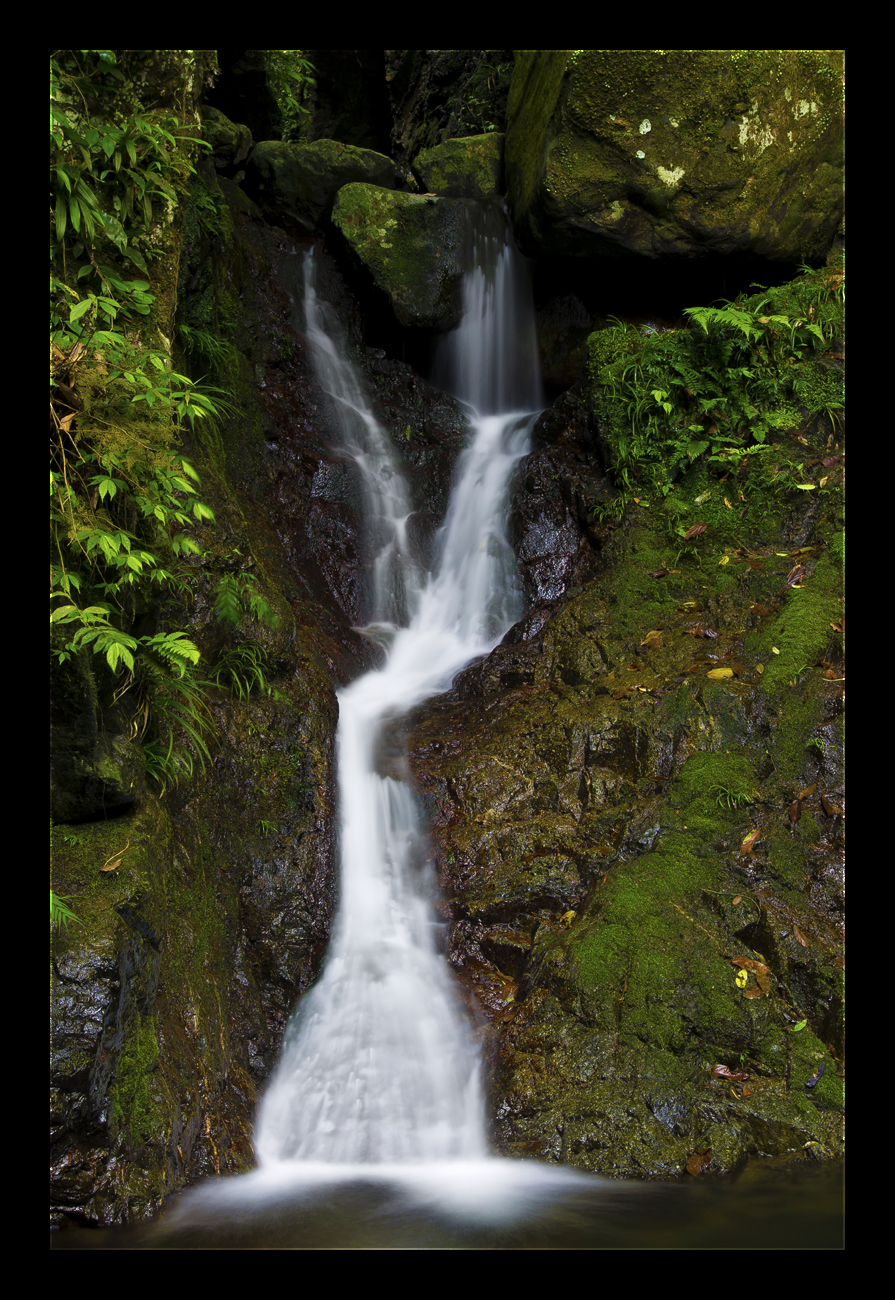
[694, 531]
[698, 1161]
[840, 626]
[830, 808]
[662, 573]
[748, 963]
[722, 1072]
[795, 575]
[803, 794]
[763, 982]
[750, 841]
[795, 811]
[654, 639]
[752, 993]
[760, 610]
[747, 1091]
[736, 901]
[801, 938]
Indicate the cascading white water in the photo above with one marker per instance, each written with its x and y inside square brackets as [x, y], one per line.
[378, 1065]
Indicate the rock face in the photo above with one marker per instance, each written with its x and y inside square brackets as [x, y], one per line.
[414, 248]
[302, 180]
[471, 168]
[654, 988]
[676, 153]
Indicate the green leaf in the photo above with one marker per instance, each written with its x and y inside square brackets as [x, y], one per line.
[800, 1025]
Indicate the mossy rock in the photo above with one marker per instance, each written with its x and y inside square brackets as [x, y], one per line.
[468, 168]
[303, 180]
[413, 247]
[676, 153]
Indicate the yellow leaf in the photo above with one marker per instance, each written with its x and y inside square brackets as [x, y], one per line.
[566, 919]
[725, 559]
[742, 979]
[718, 673]
[774, 650]
[727, 503]
[759, 668]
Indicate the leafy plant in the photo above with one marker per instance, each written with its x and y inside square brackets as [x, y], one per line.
[123, 500]
[717, 389]
[243, 669]
[727, 798]
[61, 914]
[291, 79]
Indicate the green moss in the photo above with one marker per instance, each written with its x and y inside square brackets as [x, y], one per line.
[413, 247]
[134, 1103]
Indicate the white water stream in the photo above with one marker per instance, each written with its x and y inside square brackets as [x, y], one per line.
[378, 1065]
[372, 1130]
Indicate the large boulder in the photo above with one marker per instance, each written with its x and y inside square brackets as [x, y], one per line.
[471, 168]
[413, 247]
[304, 179]
[676, 152]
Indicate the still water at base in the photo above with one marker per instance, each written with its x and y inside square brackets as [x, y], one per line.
[491, 1205]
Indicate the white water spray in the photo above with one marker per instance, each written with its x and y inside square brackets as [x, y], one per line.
[378, 1065]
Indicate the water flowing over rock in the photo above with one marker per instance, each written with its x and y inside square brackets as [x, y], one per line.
[379, 1066]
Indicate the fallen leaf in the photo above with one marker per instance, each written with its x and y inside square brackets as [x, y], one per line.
[747, 1091]
[753, 993]
[774, 650]
[816, 1076]
[737, 668]
[759, 668]
[722, 1072]
[663, 573]
[749, 964]
[803, 794]
[760, 610]
[831, 809]
[795, 811]
[736, 901]
[694, 531]
[795, 575]
[725, 559]
[566, 919]
[840, 626]
[703, 496]
[653, 639]
[742, 979]
[698, 1161]
[727, 503]
[763, 982]
[799, 1026]
[718, 673]
[801, 938]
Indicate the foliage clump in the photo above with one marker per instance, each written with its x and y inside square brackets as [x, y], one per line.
[720, 388]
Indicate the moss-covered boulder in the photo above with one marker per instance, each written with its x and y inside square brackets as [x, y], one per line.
[676, 152]
[302, 180]
[471, 168]
[230, 142]
[413, 247]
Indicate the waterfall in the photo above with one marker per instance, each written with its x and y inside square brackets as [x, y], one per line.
[378, 1066]
[373, 1124]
